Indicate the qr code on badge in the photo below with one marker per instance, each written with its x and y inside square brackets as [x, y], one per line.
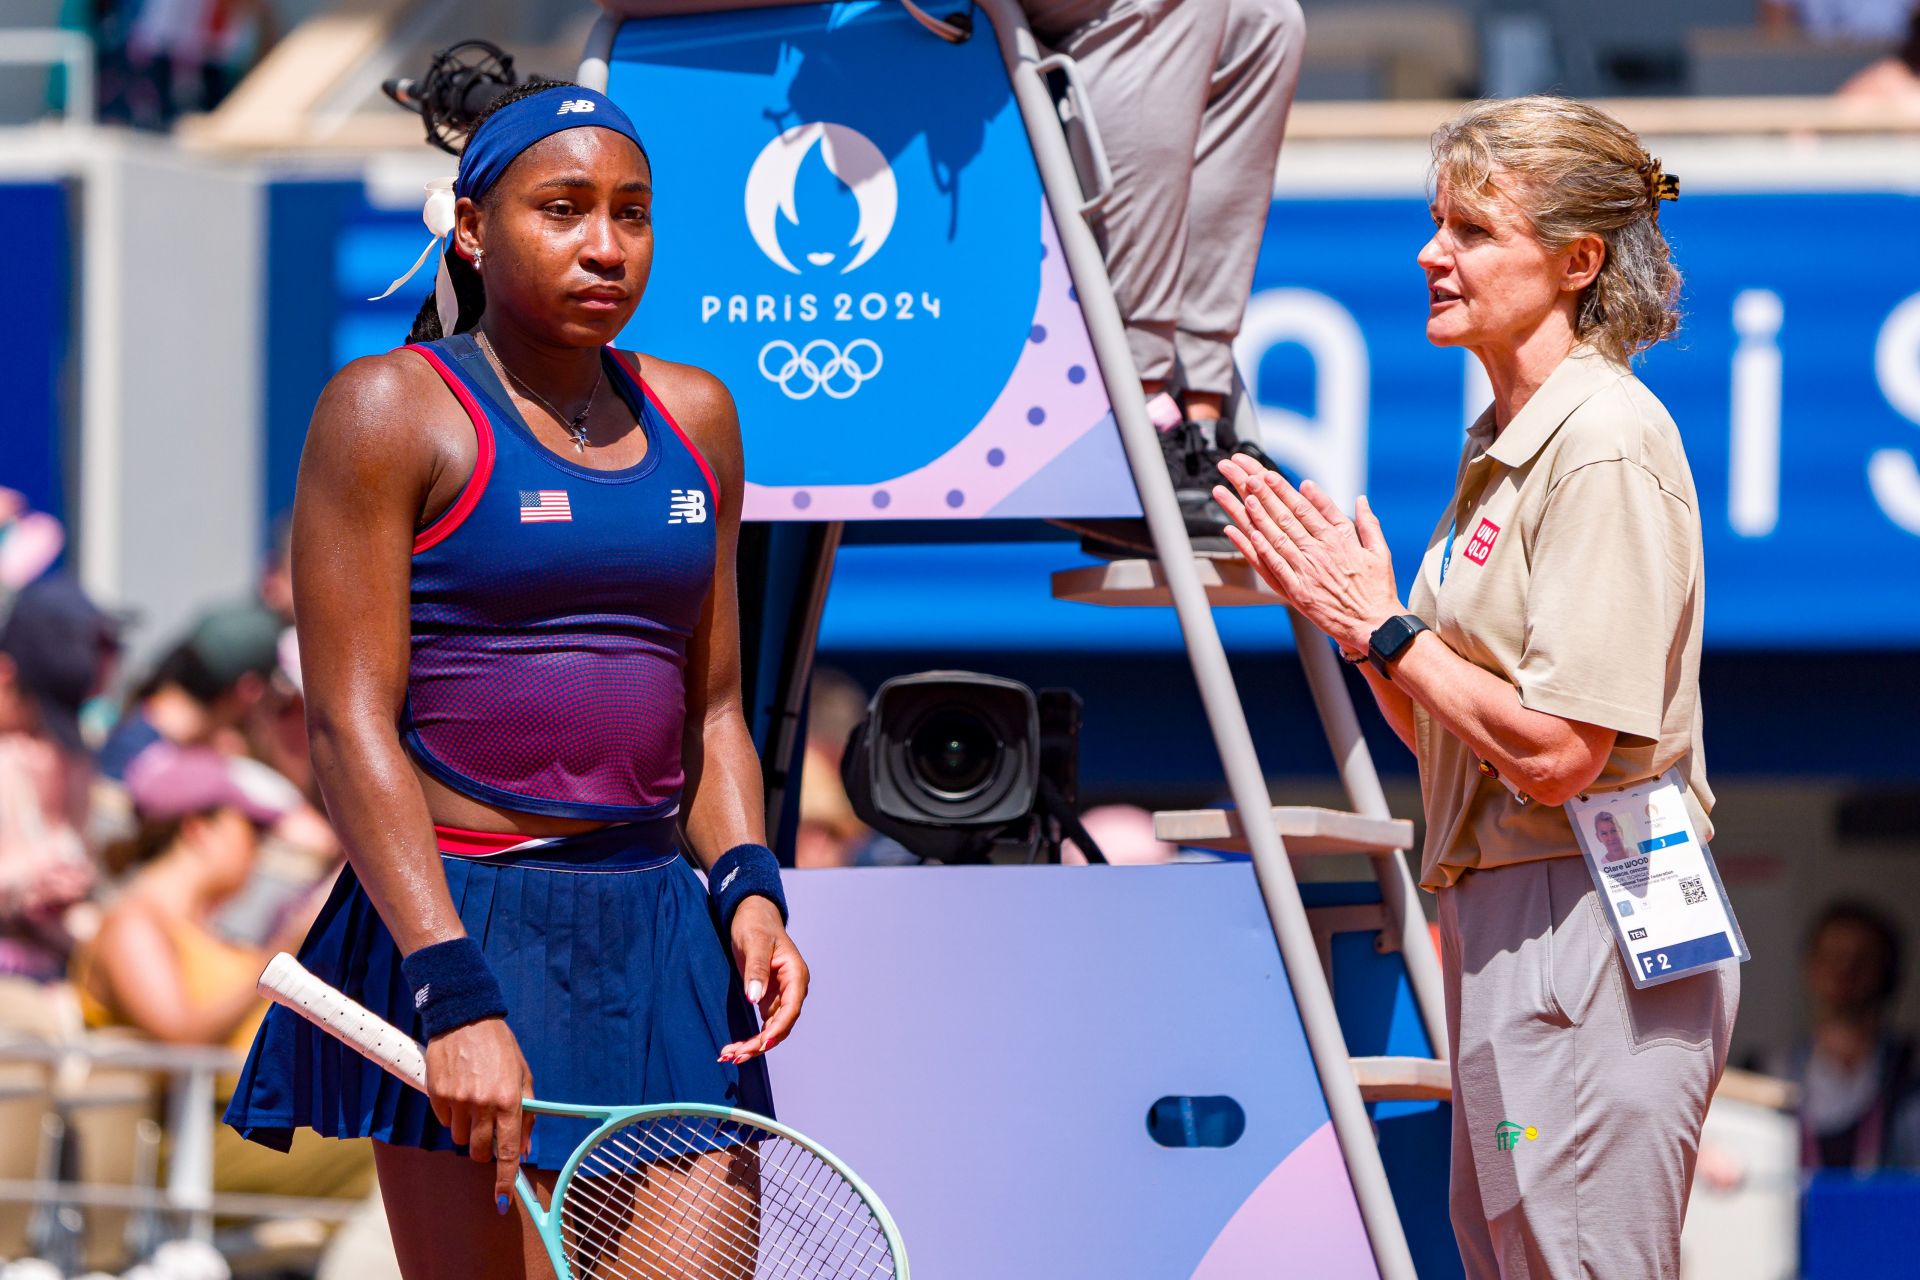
[1692, 890]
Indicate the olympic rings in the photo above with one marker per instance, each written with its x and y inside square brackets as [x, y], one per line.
[820, 366]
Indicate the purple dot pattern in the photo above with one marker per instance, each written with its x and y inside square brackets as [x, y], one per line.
[1048, 403]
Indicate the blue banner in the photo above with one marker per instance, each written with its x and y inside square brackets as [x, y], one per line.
[1795, 382]
[34, 342]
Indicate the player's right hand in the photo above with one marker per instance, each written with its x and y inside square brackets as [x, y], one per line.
[476, 1078]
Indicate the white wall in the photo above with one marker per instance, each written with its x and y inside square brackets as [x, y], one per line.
[170, 466]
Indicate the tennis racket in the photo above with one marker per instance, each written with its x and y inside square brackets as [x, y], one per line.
[660, 1193]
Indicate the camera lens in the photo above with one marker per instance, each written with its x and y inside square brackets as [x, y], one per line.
[952, 752]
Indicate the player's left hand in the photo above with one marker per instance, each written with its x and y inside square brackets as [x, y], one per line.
[1337, 572]
[774, 974]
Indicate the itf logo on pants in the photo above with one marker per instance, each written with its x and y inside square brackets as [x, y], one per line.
[1507, 1134]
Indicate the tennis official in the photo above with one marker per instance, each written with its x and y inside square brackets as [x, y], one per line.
[514, 568]
[1550, 647]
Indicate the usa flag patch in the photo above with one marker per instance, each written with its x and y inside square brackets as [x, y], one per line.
[545, 506]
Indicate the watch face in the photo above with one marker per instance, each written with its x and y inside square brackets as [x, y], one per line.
[1394, 634]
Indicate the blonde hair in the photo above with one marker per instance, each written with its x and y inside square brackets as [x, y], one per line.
[1573, 171]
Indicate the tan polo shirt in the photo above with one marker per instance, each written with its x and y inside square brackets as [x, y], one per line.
[1575, 576]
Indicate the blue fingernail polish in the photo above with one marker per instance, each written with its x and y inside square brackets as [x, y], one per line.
[501, 1203]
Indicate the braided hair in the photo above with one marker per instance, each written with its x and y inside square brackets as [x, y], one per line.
[467, 286]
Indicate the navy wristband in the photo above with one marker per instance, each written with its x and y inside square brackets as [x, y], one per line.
[742, 872]
[452, 985]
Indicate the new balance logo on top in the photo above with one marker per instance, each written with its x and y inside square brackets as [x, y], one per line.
[575, 104]
[687, 506]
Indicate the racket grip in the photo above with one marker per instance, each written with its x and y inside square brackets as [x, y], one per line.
[286, 981]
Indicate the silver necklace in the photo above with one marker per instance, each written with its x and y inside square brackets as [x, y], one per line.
[577, 424]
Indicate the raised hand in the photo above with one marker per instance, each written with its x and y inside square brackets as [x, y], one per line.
[1337, 573]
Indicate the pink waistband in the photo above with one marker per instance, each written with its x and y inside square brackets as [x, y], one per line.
[478, 844]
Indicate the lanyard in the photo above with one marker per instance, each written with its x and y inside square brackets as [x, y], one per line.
[1446, 554]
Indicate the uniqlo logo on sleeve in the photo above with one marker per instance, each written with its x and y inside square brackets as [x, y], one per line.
[1480, 546]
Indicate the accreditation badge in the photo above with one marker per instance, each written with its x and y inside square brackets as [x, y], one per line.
[1663, 893]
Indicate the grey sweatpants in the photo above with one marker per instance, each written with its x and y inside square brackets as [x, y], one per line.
[1191, 98]
[1577, 1100]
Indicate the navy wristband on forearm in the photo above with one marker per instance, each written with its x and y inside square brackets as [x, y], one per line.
[742, 872]
[452, 985]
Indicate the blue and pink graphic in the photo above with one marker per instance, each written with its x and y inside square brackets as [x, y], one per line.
[984, 1043]
[882, 291]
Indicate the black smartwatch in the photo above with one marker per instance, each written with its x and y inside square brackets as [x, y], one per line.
[1390, 640]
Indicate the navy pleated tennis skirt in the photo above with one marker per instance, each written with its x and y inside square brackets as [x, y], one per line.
[618, 985]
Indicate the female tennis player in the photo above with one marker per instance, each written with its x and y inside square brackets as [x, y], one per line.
[1549, 647]
[514, 575]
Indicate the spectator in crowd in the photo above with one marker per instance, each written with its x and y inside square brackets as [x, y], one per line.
[1124, 833]
[205, 688]
[829, 834]
[1853, 21]
[56, 649]
[274, 727]
[1853, 1069]
[30, 541]
[161, 58]
[1893, 80]
[1192, 99]
[276, 575]
[158, 965]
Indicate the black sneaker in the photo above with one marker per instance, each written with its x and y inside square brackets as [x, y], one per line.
[1191, 466]
[1227, 444]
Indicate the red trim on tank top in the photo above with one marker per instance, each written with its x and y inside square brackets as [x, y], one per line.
[452, 518]
[633, 370]
[477, 844]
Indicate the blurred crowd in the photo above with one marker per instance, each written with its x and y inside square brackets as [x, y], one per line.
[158, 846]
[155, 60]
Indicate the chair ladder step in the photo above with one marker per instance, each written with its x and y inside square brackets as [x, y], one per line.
[1403, 1079]
[1305, 828]
[1143, 582]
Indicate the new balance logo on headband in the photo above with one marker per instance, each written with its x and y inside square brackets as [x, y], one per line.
[575, 104]
[687, 506]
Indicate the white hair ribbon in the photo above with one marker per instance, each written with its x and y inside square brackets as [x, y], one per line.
[437, 213]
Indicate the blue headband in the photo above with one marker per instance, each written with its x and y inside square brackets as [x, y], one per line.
[518, 125]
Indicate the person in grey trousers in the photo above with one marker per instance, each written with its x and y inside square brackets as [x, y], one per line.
[1192, 99]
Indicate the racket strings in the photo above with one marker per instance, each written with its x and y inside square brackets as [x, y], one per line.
[698, 1198]
[607, 1208]
[608, 1244]
[829, 1226]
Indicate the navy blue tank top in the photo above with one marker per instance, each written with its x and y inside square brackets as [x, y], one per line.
[551, 609]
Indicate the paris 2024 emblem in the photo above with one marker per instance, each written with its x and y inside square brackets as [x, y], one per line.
[822, 365]
[863, 278]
